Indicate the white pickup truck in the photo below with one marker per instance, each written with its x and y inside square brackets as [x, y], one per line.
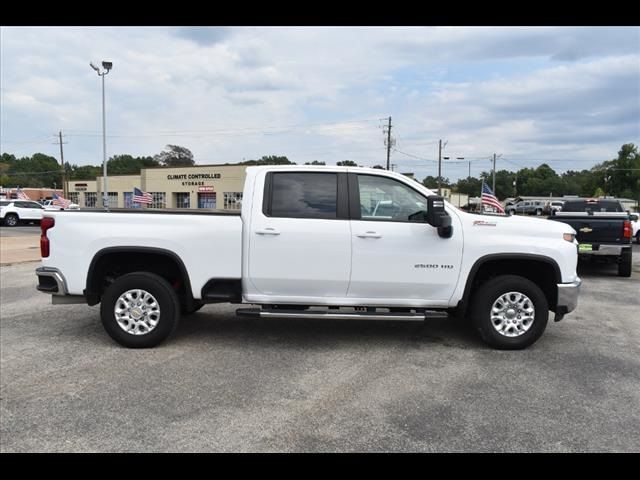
[315, 242]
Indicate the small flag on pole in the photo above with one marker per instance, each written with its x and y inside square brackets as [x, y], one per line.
[141, 197]
[489, 199]
[60, 201]
[21, 195]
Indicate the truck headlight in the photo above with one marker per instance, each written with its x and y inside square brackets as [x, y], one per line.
[569, 237]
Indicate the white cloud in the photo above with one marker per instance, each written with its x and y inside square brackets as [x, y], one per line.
[531, 93]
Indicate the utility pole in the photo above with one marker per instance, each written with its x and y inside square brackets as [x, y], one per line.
[440, 147]
[469, 170]
[64, 173]
[388, 141]
[494, 174]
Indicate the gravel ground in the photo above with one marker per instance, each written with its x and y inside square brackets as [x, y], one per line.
[224, 383]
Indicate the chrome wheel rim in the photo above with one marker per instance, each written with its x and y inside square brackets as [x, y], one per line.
[512, 314]
[137, 312]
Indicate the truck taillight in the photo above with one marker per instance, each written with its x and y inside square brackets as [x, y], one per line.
[45, 224]
[626, 229]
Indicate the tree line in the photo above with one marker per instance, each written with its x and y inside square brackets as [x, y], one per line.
[618, 177]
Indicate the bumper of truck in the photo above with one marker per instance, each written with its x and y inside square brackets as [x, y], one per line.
[567, 298]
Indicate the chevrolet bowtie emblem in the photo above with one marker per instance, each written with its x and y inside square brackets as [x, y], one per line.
[586, 229]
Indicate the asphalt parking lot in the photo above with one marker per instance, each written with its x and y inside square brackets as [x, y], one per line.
[230, 384]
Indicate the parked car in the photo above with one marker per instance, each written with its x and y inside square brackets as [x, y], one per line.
[529, 207]
[314, 242]
[603, 230]
[551, 208]
[14, 212]
[49, 205]
[635, 226]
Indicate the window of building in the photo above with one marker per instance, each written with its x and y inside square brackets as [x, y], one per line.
[387, 199]
[73, 197]
[90, 199]
[128, 201]
[232, 200]
[207, 200]
[304, 195]
[182, 199]
[159, 200]
[113, 199]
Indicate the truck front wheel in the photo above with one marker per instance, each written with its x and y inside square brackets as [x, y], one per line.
[140, 310]
[509, 312]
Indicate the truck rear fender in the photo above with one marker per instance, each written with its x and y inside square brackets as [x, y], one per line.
[113, 262]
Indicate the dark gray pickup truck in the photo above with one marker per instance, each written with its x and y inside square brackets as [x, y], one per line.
[603, 230]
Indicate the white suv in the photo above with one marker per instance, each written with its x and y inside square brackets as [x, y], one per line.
[49, 205]
[12, 212]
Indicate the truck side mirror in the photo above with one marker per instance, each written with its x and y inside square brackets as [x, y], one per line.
[633, 217]
[438, 217]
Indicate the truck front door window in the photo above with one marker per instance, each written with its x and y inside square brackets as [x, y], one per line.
[387, 199]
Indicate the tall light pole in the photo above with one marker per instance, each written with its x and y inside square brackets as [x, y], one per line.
[440, 147]
[105, 192]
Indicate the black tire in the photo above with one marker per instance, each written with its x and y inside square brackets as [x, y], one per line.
[489, 292]
[165, 296]
[624, 263]
[195, 306]
[638, 237]
[538, 212]
[11, 220]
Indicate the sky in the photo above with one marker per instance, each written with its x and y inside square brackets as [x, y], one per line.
[566, 96]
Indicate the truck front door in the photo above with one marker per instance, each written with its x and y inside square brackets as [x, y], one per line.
[300, 239]
[395, 258]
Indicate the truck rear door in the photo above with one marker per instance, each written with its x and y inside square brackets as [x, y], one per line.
[300, 237]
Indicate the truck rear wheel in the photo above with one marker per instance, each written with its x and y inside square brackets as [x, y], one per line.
[140, 310]
[509, 312]
[624, 263]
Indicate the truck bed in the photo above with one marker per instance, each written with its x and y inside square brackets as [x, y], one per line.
[209, 243]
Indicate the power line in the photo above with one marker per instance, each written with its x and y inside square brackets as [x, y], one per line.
[263, 130]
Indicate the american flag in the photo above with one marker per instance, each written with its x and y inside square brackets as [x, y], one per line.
[141, 197]
[60, 201]
[21, 195]
[488, 198]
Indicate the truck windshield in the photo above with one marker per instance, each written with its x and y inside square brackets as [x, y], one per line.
[586, 206]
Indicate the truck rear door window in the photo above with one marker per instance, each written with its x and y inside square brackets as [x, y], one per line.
[304, 195]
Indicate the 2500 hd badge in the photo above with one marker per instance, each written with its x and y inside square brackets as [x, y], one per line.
[432, 265]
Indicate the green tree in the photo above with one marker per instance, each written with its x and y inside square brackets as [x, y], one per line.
[85, 172]
[347, 163]
[432, 182]
[126, 164]
[469, 186]
[175, 156]
[315, 162]
[39, 170]
[269, 160]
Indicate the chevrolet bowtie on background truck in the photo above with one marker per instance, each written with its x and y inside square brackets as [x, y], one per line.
[315, 242]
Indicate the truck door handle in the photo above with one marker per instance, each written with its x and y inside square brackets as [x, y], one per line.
[369, 235]
[268, 231]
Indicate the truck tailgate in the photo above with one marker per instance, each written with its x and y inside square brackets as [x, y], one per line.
[595, 229]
